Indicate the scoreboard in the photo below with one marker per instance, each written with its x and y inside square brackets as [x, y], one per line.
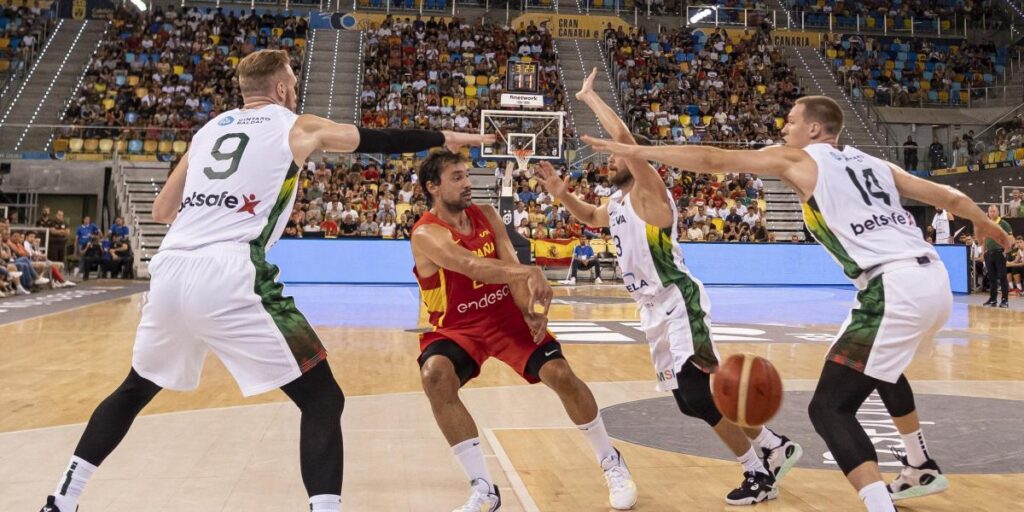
[522, 77]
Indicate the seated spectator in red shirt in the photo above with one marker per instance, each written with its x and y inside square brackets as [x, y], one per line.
[330, 228]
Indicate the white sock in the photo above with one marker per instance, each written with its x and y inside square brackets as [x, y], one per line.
[917, 450]
[751, 462]
[768, 440]
[598, 437]
[876, 498]
[72, 483]
[472, 459]
[325, 503]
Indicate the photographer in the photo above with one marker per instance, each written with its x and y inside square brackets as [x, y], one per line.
[121, 258]
[93, 256]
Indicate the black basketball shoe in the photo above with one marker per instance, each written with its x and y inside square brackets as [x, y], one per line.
[780, 460]
[51, 506]
[756, 487]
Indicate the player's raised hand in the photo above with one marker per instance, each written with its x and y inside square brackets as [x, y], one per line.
[610, 146]
[548, 177]
[455, 140]
[588, 86]
[988, 229]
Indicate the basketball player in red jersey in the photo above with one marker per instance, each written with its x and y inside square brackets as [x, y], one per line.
[481, 303]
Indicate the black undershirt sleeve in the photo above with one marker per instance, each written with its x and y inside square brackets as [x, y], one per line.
[391, 140]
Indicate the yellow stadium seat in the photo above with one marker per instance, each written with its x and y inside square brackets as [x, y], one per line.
[447, 101]
[300, 42]
[908, 23]
[684, 67]
[233, 60]
[761, 89]
[5, 65]
[1018, 154]
[945, 24]
[277, 31]
[60, 145]
[926, 85]
[599, 245]
[483, 80]
[106, 145]
[400, 210]
[655, 107]
[870, 22]
[762, 204]
[830, 53]
[179, 69]
[526, 58]
[215, 39]
[165, 146]
[180, 147]
[889, 64]
[663, 132]
[121, 145]
[133, 80]
[687, 131]
[470, 80]
[471, 91]
[869, 92]
[141, 91]
[707, 120]
[108, 104]
[943, 97]
[719, 224]
[728, 49]
[149, 146]
[4, 43]
[780, 122]
[684, 120]
[75, 145]
[848, 63]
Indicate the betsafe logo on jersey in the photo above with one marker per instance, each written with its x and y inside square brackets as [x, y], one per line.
[222, 200]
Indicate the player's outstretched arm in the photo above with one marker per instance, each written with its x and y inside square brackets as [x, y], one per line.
[558, 187]
[537, 320]
[951, 200]
[168, 201]
[652, 201]
[792, 165]
[312, 133]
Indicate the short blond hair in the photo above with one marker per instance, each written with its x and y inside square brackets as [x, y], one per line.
[257, 69]
[824, 110]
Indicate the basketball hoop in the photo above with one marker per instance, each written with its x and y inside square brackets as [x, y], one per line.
[522, 157]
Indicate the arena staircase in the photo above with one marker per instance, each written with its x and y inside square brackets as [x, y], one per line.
[576, 58]
[49, 85]
[783, 212]
[815, 77]
[332, 75]
[136, 185]
[485, 185]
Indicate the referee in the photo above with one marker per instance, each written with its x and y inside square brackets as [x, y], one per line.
[995, 262]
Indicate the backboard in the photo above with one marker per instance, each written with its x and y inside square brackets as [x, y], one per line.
[541, 132]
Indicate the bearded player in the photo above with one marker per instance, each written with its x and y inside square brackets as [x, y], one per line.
[481, 303]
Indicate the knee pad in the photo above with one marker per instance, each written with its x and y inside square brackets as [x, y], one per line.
[694, 395]
[898, 397]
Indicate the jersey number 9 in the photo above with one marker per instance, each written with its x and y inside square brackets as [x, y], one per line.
[235, 156]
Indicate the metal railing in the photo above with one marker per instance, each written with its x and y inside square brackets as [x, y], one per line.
[810, 21]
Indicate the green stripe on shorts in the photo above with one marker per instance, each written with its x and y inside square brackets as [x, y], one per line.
[853, 347]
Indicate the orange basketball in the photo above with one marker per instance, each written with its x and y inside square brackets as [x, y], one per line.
[747, 390]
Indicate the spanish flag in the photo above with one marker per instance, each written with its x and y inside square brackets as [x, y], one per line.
[554, 253]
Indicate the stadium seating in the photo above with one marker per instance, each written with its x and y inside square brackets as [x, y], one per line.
[22, 31]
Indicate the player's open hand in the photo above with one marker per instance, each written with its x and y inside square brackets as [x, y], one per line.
[588, 86]
[548, 177]
[989, 229]
[455, 140]
[611, 147]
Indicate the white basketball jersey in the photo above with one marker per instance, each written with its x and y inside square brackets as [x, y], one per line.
[855, 212]
[649, 256]
[241, 181]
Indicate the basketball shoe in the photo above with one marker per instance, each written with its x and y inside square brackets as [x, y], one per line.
[781, 459]
[756, 487]
[51, 506]
[621, 488]
[485, 498]
[915, 482]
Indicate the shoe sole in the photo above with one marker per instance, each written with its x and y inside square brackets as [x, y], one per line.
[788, 465]
[773, 494]
[625, 507]
[940, 484]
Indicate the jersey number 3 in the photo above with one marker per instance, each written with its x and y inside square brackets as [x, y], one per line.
[235, 156]
[867, 191]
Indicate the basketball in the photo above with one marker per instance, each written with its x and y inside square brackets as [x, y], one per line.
[747, 390]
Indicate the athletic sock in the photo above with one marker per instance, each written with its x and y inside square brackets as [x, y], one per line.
[598, 437]
[876, 498]
[768, 440]
[751, 462]
[471, 457]
[325, 503]
[72, 483]
[917, 450]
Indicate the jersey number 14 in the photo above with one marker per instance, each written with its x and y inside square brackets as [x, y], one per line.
[868, 189]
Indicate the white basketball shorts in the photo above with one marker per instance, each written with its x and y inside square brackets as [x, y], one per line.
[223, 298]
[904, 304]
[677, 324]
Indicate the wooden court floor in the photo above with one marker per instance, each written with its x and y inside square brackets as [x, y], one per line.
[212, 450]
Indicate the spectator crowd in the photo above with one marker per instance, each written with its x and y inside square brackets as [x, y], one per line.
[683, 85]
[163, 74]
[22, 31]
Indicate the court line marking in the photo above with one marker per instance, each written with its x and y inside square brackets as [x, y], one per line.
[514, 480]
[76, 308]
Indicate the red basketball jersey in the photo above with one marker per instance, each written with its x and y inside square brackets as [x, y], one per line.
[460, 307]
